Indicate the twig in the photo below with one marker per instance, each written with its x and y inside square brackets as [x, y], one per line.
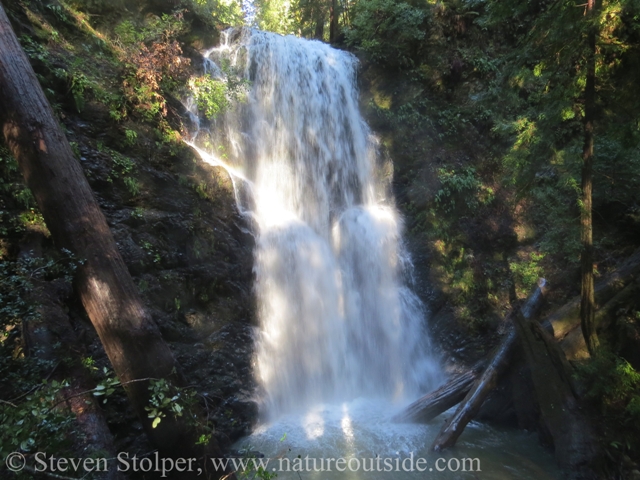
[37, 386]
[95, 390]
[8, 403]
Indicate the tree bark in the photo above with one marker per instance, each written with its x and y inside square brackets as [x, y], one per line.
[319, 31]
[453, 428]
[587, 302]
[573, 344]
[573, 439]
[333, 21]
[130, 337]
[565, 319]
[39, 335]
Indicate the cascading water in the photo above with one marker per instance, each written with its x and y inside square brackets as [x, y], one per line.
[337, 320]
[341, 335]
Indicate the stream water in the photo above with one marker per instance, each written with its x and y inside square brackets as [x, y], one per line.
[342, 342]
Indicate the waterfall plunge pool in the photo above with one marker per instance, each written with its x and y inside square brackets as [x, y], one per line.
[304, 445]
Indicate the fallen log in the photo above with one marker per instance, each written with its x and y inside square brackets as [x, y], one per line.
[574, 440]
[567, 318]
[467, 410]
[433, 404]
[573, 343]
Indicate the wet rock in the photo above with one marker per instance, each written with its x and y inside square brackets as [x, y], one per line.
[191, 258]
[239, 415]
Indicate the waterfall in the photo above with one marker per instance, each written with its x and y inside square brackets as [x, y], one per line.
[338, 320]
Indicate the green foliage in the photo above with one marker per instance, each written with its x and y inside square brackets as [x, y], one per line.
[558, 229]
[389, 32]
[154, 29]
[128, 33]
[613, 385]
[461, 190]
[218, 12]
[612, 381]
[121, 166]
[131, 137]
[29, 419]
[17, 205]
[214, 96]
[78, 84]
[153, 61]
[34, 50]
[137, 213]
[526, 272]
[276, 16]
[33, 424]
[202, 189]
[210, 95]
[166, 399]
[133, 186]
[107, 386]
[152, 252]
[16, 280]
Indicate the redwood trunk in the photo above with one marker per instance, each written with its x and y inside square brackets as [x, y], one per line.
[40, 335]
[587, 300]
[333, 22]
[129, 335]
[574, 441]
[567, 318]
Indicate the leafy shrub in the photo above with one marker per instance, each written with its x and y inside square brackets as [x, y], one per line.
[153, 63]
[461, 189]
[613, 385]
[527, 272]
[210, 95]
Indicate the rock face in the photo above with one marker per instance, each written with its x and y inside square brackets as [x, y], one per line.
[190, 253]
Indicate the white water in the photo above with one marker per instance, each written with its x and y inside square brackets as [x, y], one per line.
[342, 343]
[338, 321]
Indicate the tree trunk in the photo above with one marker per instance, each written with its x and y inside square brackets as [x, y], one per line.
[453, 428]
[319, 32]
[333, 21]
[565, 319]
[587, 302]
[573, 344]
[129, 335]
[433, 404]
[39, 336]
[574, 441]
